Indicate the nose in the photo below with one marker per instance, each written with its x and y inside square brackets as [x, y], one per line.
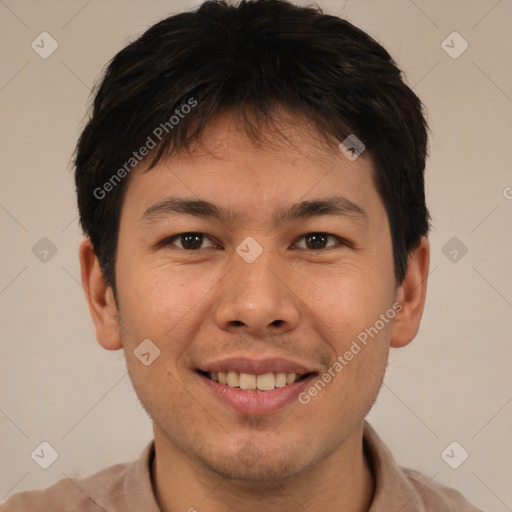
[257, 298]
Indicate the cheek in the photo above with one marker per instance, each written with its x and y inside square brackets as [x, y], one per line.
[167, 305]
[354, 316]
[156, 296]
[348, 301]
[347, 389]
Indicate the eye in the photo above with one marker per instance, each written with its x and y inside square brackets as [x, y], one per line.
[317, 241]
[193, 241]
[190, 241]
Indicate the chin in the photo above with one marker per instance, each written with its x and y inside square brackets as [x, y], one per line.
[256, 463]
[264, 474]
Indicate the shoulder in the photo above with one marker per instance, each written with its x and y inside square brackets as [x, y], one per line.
[436, 497]
[401, 488]
[100, 491]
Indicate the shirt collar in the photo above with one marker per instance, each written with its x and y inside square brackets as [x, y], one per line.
[138, 488]
[392, 490]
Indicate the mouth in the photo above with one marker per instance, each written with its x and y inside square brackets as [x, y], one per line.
[255, 387]
[250, 382]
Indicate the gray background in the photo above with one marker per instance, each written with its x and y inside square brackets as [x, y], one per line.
[453, 383]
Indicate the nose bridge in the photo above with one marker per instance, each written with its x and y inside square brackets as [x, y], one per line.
[254, 276]
[254, 295]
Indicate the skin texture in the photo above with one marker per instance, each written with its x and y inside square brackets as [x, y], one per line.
[210, 304]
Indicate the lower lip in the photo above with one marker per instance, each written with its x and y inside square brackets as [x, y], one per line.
[254, 402]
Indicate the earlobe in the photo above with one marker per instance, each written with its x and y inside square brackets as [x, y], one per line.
[100, 299]
[411, 295]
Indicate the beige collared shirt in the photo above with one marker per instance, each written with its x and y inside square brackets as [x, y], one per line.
[127, 488]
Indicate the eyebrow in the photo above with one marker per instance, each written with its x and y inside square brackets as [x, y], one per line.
[334, 205]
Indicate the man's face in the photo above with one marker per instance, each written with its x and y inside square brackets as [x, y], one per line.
[210, 302]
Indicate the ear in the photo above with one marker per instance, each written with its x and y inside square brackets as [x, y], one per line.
[411, 295]
[100, 299]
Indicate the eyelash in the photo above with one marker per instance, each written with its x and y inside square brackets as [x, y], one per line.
[171, 239]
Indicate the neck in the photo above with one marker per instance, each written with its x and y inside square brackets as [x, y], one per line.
[340, 481]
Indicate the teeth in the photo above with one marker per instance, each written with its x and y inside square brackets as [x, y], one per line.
[290, 378]
[280, 380]
[265, 382]
[233, 379]
[246, 381]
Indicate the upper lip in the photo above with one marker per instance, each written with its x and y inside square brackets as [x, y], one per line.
[256, 366]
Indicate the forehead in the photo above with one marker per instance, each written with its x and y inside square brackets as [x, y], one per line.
[286, 166]
[288, 137]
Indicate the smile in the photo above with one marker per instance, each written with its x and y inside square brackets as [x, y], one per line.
[252, 400]
[251, 382]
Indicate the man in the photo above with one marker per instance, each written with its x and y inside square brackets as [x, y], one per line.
[251, 187]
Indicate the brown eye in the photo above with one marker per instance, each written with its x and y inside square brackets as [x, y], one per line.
[188, 241]
[317, 241]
